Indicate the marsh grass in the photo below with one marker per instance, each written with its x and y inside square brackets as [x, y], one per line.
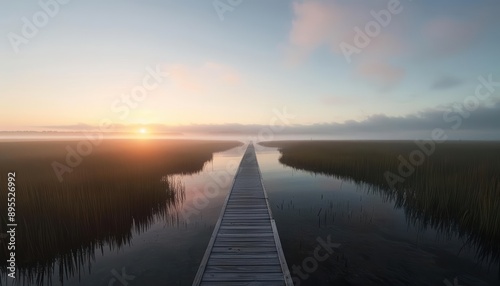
[122, 187]
[456, 190]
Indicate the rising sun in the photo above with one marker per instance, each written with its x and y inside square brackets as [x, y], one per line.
[143, 131]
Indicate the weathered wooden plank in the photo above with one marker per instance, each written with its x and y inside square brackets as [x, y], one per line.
[238, 261]
[249, 239]
[244, 248]
[253, 218]
[244, 212]
[243, 276]
[249, 208]
[247, 249]
[240, 234]
[245, 223]
[238, 229]
[244, 256]
[250, 197]
[250, 216]
[244, 244]
[244, 268]
[255, 210]
[239, 224]
[243, 283]
[241, 200]
[248, 228]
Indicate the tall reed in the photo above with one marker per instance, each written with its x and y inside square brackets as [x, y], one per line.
[456, 189]
[122, 187]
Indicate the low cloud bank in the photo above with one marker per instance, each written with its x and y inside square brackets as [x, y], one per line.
[456, 121]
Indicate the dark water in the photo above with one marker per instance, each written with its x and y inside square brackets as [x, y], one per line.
[377, 244]
[371, 241]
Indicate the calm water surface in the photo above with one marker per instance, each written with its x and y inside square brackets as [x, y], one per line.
[374, 242]
[377, 245]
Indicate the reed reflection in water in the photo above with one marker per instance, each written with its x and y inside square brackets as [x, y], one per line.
[456, 191]
[121, 188]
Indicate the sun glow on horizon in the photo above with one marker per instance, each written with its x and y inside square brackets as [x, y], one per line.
[143, 131]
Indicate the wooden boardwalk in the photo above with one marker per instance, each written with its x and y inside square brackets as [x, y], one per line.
[245, 248]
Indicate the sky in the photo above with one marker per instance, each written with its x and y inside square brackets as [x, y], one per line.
[347, 67]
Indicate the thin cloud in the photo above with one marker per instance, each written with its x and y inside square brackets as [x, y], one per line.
[381, 73]
[446, 82]
[327, 23]
[318, 24]
[312, 27]
[445, 36]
